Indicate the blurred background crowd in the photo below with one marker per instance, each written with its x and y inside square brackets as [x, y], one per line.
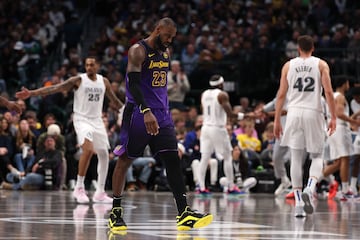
[43, 42]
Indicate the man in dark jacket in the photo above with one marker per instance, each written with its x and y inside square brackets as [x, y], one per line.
[46, 172]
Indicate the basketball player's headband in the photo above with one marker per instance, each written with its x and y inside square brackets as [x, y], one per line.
[217, 82]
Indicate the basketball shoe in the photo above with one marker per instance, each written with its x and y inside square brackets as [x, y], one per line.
[299, 211]
[204, 192]
[116, 221]
[101, 197]
[190, 219]
[235, 191]
[333, 189]
[290, 195]
[307, 197]
[283, 186]
[80, 195]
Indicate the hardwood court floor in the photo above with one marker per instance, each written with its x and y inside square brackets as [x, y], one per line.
[32, 215]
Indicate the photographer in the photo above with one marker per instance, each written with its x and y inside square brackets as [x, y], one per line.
[46, 172]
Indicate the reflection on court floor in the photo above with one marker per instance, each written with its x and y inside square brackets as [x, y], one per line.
[151, 215]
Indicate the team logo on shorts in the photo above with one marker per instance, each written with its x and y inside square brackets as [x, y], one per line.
[117, 150]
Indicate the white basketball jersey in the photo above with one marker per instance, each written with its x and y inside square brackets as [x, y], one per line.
[304, 81]
[89, 97]
[213, 113]
[346, 112]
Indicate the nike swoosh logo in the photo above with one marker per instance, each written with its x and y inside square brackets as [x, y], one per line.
[152, 54]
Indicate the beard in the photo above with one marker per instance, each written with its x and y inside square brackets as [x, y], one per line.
[159, 44]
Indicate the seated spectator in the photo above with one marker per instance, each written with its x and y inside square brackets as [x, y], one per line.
[267, 145]
[25, 145]
[45, 173]
[6, 149]
[55, 131]
[250, 145]
[241, 172]
[192, 148]
[144, 166]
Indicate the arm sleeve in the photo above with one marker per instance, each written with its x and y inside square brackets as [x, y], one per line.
[134, 88]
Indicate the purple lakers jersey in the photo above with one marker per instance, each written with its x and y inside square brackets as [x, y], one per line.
[153, 78]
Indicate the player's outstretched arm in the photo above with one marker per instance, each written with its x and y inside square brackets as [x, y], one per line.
[65, 86]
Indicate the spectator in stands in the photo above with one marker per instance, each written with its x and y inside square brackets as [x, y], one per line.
[34, 49]
[45, 173]
[143, 167]
[25, 146]
[178, 86]
[192, 149]
[250, 145]
[21, 57]
[189, 58]
[72, 31]
[241, 172]
[32, 119]
[291, 45]
[55, 131]
[12, 119]
[49, 119]
[6, 148]
[268, 141]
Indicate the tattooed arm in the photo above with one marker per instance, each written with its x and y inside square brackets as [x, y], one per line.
[65, 86]
[11, 105]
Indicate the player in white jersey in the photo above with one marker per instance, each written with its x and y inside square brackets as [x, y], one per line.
[302, 80]
[90, 89]
[214, 136]
[340, 143]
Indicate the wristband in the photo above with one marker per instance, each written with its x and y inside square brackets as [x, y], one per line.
[240, 116]
[143, 111]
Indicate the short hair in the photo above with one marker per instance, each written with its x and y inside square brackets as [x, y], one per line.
[166, 22]
[97, 60]
[306, 43]
[339, 81]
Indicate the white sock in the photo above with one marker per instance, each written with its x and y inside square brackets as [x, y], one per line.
[331, 179]
[312, 181]
[345, 187]
[353, 183]
[297, 195]
[80, 181]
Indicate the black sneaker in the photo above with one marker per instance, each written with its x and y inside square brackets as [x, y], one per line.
[116, 221]
[190, 219]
